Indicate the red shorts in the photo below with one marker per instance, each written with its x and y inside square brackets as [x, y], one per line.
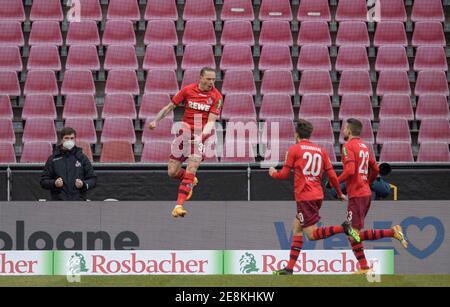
[308, 212]
[184, 146]
[358, 208]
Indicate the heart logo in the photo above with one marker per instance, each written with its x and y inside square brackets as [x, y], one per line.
[422, 223]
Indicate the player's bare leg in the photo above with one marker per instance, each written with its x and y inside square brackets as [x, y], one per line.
[297, 244]
[186, 186]
[175, 169]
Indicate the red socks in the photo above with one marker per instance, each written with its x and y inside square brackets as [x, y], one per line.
[377, 234]
[325, 232]
[185, 188]
[358, 250]
[180, 174]
[297, 244]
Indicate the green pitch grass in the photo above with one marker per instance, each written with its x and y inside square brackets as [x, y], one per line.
[229, 281]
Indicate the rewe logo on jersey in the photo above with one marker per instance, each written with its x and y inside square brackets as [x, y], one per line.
[199, 106]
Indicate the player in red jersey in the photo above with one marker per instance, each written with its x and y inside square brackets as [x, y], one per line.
[360, 171]
[203, 103]
[309, 162]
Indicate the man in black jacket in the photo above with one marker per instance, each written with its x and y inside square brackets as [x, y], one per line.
[68, 174]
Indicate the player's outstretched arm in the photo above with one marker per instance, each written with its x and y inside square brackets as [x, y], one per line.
[162, 114]
[207, 130]
[288, 165]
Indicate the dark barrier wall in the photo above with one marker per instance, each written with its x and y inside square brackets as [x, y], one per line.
[3, 186]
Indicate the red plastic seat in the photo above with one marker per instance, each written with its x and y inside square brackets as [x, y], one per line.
[356, 106]
[314, 10]
[39, 106]
[10, 59]
[45, 33]
[352, 33]
[12, 10]
[122, 81]
[426, 10]
[11, 34]
[314, 33]
[396, 106]
[432, 106]
[392, 58]
[160, 57]
[197, 57]
[78, 82]
[44, 58]
[84, 127]
[323, 132]
[275, 10]
[237, 57]
[161, 32]
[314, 57]
[119, 32]
[428, 33]
[36, 152]
[153, 103]
[162, 132]
[117, 152]
[41, 82]
[430, 58]
[392, 10]
[393, 82]
[366, 132]
[199, 9]
[351, 10]
[433, 152]
[5, 108]
[282, 130]
[80, 105]
[239, 82]
[396, 152]
[83, 58]
[237, 10]
[161, 82]
[431, 82]
[315, 82]
[434, 130]
[242, 130]
[316, 105]
[39, 130]
[118, 129]
[87, 150]
[329, 149]
[277, 82]
[119, 105]
[46, 10]
[393, 130]
[9, 84]
[237, 32]
[276, 106]
[7, 131]
[352, 58]
[83, 33]
[275, 57]
[238, 152]
[156, 151]
[355, 82]
[121, 57]
[390, 33]
[274, 151]
[276, 32]
[123, 10]
[7, 153]
[161, 9]
[199, 32]
[239, 105]
[190, 76]
[88, 10]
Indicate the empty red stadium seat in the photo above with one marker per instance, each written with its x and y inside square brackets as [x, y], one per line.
[161, 32]
[392, 10]
[393, 82]
[197, 57]
[44, 58]
[161, 81]
[275, 10]
[39, 106]
[432, 106]
[314, 10]
[348, 10]
[162, 132]
[161, 9]
[282, 130]
[88, 10]
[323, 132]
[118, 129]
[329, 149]
[12, 10]
[122, 81]
[355, 82]
[117, 152]
[83, 58]
[41, 82]
[390, 33]
[430, 58]
[83, 33]
[396, 152]
[9, 84]
[435, 130]
[356, 106]
[393, 130]
[275, 151]
[238, 82]
[87, 150]
[275, 57]
[276, 106]
[5, 107]
[45, 33]
[392, 58]
[80, 105]
[10, 58]
[425, 10]
[153, 103]
[428, 33]
[237, 10]
[190, 76]
[39, 130]
[431, 82]
[352, 58]
[238, 152]
[278, 82]
[156, 151]
[78, 82]
[366, 132]
[433, 152]
[314, 57]
[7, 153]
[123, 10]
[84, 127]
[199, 32]
[199, 9]
[396, 106]
[352, 33]
[237, 57]
[121, 57]
[314, 33]
[276, 32]
[316, 105]
[7, 131]
[239, 105]
[160, 57]
[242, 130]
[119, 32]
[36, 152]
[11, 34]
[119, 105]
[316, 82]
[237, 32]
[46, 10]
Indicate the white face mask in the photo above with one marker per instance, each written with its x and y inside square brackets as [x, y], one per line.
[69, 145]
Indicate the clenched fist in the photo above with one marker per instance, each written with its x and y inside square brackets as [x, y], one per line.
[152, 125]
[59, 183]
[79, 184]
